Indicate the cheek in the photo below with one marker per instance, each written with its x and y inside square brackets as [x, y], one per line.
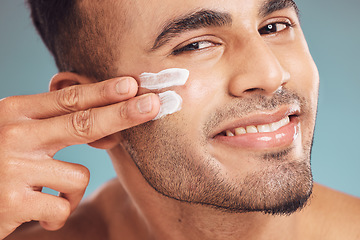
[305, 79]
[202, 93]
[303, 71]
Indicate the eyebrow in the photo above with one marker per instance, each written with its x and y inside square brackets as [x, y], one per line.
[197, 20]
[209, 18]
[271, 6]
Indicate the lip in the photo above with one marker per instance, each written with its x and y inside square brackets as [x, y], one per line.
[259, 141]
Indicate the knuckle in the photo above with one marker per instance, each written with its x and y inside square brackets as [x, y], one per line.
[123, 110]
[9, 100]
[69, 98]
[9, 167]
[11, 199]
[63, 210]
[82, 123]
[105, 91]
[52, 226]
[82, 177]
[9, 105]
[10, 132]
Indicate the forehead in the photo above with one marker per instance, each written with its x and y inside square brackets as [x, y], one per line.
[158, 10]
[156, 13]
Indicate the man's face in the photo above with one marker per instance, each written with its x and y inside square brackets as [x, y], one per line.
[249, 68]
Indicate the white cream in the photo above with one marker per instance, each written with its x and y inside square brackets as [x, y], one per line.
[167, 78]
[170, 103]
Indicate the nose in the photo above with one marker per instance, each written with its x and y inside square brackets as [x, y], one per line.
[258, 70]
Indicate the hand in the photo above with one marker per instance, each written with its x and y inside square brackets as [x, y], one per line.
[33, 128]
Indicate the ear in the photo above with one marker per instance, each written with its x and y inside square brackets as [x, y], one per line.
[66, 79]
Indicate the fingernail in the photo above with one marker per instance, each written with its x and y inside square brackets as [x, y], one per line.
[122, 87]
[144, 104]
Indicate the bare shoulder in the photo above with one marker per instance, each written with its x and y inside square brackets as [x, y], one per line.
[333, 214]
[111, 201]
[118, 212]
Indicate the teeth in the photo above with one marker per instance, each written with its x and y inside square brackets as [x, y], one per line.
[251, 129]
[264, 128]
[229, 133]
[285, 121]
[272, 127]
[275, 126]
[240, 131]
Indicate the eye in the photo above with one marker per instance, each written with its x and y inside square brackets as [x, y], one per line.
[195, 46]
[273, 28]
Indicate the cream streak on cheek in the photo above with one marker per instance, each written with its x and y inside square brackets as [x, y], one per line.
[167, 78]
[170, 101]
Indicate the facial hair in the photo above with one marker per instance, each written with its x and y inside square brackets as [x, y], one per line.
[184, 170]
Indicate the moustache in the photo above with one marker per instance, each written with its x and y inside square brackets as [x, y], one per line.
[241, 107]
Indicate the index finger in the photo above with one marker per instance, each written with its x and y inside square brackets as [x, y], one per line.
[90, 125]
[72, 99]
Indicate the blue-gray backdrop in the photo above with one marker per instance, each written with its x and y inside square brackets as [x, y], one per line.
[332, 31]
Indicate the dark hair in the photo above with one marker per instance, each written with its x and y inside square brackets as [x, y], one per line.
[75, 36]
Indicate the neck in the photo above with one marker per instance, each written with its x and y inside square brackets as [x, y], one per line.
[187, 221]
[167, 218]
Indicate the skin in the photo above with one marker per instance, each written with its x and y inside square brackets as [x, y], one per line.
[128, 207]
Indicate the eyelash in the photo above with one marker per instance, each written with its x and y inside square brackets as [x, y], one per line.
[271, 28]
[193, 47]
[266, 30]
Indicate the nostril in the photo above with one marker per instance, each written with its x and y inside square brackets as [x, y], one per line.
[251, 90]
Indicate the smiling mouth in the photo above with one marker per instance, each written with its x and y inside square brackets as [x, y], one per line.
[280, 130]
[263, 128]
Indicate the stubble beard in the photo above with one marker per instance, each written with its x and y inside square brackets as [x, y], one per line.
[171, 165]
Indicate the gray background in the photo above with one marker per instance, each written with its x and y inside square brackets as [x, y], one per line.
[332, 30]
